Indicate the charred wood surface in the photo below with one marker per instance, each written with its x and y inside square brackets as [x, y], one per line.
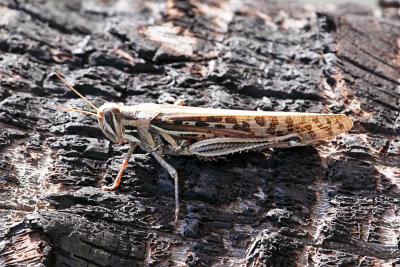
[332, 204]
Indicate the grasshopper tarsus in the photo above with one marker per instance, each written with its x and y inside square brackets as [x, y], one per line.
[179, 130]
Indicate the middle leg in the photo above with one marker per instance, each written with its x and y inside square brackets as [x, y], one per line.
[174, 174]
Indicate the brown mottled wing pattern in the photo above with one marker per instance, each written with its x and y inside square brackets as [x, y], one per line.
[210, 123]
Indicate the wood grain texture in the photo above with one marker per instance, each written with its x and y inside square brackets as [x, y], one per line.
[332, 204]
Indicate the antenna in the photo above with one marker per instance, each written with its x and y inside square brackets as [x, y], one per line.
[81, 111]
[76, 92]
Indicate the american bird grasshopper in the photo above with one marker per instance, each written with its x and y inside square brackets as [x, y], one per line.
[180, 130]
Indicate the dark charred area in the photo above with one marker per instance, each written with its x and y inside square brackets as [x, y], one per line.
[336, 203]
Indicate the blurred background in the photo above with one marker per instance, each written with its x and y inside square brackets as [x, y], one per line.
[370, 3]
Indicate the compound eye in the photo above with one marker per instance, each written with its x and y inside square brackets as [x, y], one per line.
[109, 125]
[108, 117]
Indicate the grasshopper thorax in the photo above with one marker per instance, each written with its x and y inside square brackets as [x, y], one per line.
[109, 116]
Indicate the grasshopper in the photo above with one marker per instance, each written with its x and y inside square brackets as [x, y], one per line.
[180, 130]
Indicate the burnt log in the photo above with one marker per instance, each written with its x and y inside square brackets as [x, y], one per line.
[332, 204]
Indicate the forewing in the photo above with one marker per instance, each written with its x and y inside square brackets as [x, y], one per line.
[252, 124]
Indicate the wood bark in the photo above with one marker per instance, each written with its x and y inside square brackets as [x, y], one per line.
[332, 204]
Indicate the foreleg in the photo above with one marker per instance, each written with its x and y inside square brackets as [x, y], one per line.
[121, 171]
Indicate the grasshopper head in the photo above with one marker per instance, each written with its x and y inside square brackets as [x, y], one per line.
[110, 121]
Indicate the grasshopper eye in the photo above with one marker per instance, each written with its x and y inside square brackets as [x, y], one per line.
[110, 122]
[109, 118]
[110, 125]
